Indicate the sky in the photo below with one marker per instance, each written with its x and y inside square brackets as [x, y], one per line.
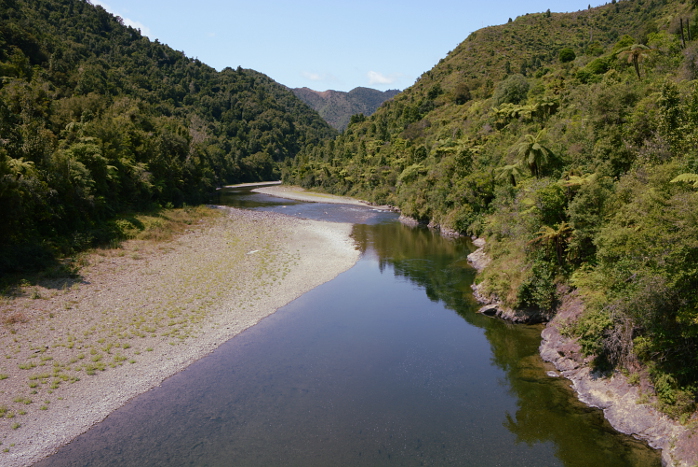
[328, 44]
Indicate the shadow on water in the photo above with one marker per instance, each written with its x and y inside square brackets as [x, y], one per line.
[547, 410]
[388, 364]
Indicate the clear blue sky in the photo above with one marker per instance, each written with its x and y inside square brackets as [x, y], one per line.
[324, 44]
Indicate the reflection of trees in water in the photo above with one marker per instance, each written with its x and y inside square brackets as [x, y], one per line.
[425, 258]
[548, 411]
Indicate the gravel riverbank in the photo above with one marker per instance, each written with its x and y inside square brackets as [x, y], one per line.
[76, 350]
[300, 194]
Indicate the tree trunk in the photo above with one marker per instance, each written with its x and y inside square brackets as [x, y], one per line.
[636, 64]
[688, 28]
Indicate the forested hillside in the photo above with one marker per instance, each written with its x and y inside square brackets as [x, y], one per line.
[568, 141]
[337, 107]
[96, 120]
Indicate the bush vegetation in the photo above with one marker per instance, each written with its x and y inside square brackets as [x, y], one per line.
[567, 140]
[567, 154]
[97, 120]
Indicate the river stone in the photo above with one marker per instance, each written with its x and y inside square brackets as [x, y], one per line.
[478, 258]
[488, 310]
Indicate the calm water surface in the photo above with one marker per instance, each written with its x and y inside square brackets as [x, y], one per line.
[387, 364]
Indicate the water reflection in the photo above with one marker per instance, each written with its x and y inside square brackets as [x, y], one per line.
[426, 258]
[547, 410]
[386, 365]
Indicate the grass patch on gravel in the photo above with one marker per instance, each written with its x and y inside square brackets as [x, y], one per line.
[138, 298]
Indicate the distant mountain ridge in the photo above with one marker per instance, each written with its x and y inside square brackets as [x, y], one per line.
[337, 107]
[567, 142]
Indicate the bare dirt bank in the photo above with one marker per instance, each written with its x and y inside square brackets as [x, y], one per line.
[76, 351]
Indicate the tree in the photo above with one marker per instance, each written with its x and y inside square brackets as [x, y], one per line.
[636, 53]
[461, 94]
[513, 90]
[509, 172]
[357, 118]
[567, 55]
[20, 167]
[532, 153]
[547, 106]
[555, 237]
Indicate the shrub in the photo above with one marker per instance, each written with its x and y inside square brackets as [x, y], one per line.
[591, 328]
[512, 90]
[539, 290]
[567, 55]
[461, 94]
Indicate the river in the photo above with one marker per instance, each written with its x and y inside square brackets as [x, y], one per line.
[388, 364]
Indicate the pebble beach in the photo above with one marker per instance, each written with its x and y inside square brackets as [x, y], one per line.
[76, 350]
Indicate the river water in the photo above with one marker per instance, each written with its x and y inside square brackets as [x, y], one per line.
[388, 364]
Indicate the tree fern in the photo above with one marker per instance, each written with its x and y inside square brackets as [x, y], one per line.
[689, 178]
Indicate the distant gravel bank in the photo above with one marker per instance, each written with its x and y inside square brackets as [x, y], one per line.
[300, 194]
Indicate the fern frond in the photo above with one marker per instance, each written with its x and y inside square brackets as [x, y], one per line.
[688, 178]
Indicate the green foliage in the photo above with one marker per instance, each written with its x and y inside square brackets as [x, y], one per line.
[434, 92]
[510, 173]
[512, 90]
[461, 94]
[591, 329]
[594, 70]
[555, 239]
[532, 153]
[594, 49]
[539, 289]
[566, 55]
[96, 120]
[673, 399]
[688, 178]
[357, 118]
[599, 213]
[635, 54]
[587, 212]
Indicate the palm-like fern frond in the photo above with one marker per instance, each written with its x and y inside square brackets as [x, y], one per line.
[688, 178]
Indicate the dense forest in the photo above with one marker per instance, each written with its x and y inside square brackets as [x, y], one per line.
[569, 142]
[97, 120]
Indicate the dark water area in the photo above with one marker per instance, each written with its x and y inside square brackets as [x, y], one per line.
[388, 364]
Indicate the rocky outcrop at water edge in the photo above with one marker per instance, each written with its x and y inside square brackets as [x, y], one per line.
[623, 404]
[492, 306]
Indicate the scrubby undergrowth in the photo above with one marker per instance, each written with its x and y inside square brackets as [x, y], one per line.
[561, 139]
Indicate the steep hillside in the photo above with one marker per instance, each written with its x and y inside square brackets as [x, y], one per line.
[337, 107]
[559, 138]
[96, 119]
